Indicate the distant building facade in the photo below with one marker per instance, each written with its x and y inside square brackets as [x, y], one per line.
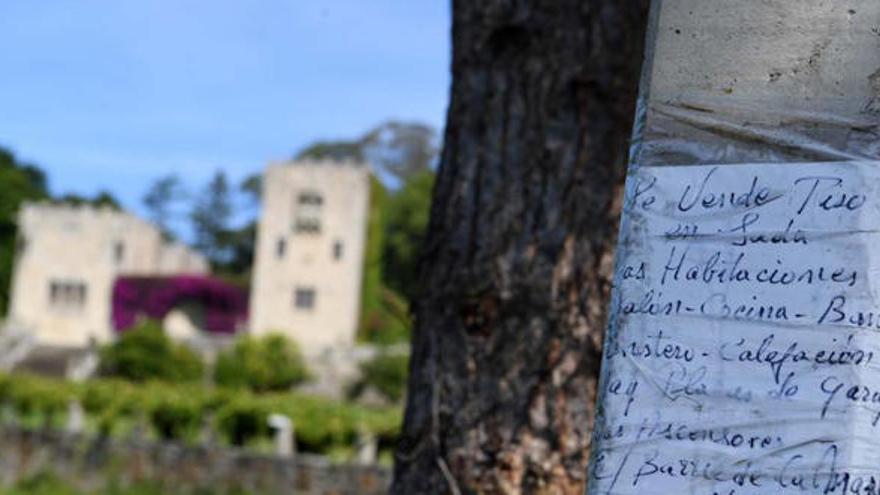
[67, 260]
[310, 249]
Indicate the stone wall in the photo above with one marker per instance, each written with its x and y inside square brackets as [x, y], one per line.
[89, 463]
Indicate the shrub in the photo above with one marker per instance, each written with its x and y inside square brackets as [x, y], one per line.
[146, 353]
[387, 373]
[43, 483]
[175, 411]
[34, 398]
[111, 402]
[242, 420]
[269, 363]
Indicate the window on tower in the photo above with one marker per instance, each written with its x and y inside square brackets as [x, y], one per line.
[281, 248]
[307, 212]
[118, 252]
[304, 298]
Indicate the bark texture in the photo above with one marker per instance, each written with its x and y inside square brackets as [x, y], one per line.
[516, 270]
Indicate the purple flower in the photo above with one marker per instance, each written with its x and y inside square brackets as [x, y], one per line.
[225, 306]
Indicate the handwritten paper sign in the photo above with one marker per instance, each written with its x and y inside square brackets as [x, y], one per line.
[742, 355]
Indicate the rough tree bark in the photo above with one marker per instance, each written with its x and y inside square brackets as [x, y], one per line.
[517, 264]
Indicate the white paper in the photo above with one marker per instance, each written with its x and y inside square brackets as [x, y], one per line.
[742, 354]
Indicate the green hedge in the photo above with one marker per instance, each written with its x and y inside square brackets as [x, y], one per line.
[176, 411]
[146, 352]
[270, 363]
[387, 373]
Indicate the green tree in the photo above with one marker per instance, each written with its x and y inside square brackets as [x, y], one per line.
[252, 187]
[269, 363]
[145, 352]
[384, 314]
[333, 150]
[401, 149]
[210, 217]
[103, 199]
[396, 150]
[240, 242]
[371, 283]
[241, 245]
[19, 182]
[387, 373]
[160, 199]
[406, 221]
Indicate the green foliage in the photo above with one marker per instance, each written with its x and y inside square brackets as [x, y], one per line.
[321, 424]
[400, 149]
[35, 398]
[103, 199]
[396, 149]
[230, 249]
[389, 323]
[19, 182]
[160, 198]
[145, 353]
[269, 363]
[110, 402]
[395, 234]
[406, 224]
[175, 411]
[240, 244]
[373, 320]
[41, 484]
[210, 217]
[387, 373]
[243, 419]
[252, 187]
[372, 278]
[333, 150]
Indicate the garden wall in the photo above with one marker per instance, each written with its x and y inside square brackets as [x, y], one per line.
[88, 464]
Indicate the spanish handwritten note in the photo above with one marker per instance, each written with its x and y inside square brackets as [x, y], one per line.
[742, 355]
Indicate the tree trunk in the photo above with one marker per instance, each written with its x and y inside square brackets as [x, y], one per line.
[517, 264]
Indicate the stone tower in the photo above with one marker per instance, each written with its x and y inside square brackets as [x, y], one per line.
[310, 250]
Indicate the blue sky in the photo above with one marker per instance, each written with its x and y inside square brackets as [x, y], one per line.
[112, 94]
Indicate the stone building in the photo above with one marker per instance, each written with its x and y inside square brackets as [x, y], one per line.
[309, 255]
[67, 260]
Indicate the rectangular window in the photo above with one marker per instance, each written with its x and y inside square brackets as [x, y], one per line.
[307, 226]
[337, 250]
[304, 298]
[310, 198]
[281, 248]
[118, 252]
[67, 295]
[307, 212]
